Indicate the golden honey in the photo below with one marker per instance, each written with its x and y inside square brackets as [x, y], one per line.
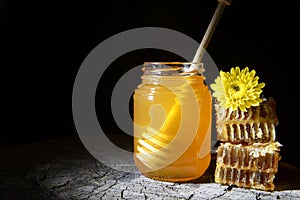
[172, 122]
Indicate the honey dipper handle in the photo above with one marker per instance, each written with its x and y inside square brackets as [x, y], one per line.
[213, 23]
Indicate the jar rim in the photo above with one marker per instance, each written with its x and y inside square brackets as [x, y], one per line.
[173, 68]
[173, 62]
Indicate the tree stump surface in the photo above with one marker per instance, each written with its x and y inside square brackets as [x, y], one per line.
[63, 169]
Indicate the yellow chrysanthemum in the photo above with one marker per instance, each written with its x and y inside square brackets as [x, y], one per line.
[238, 89]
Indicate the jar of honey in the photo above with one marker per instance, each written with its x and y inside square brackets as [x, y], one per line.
[172, 121]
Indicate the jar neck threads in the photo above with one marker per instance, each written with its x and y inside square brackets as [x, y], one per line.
[172, 69]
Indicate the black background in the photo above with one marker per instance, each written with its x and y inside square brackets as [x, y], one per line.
[43, 44]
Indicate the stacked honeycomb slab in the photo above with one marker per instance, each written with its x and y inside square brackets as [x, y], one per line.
[248, 154]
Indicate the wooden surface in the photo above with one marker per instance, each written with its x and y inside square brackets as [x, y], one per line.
[63, 169]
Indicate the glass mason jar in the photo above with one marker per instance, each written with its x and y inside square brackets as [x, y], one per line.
[172, 121]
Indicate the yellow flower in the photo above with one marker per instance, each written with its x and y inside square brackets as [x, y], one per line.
[238, 89]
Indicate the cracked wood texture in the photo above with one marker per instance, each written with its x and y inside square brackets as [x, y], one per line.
[63, 169]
